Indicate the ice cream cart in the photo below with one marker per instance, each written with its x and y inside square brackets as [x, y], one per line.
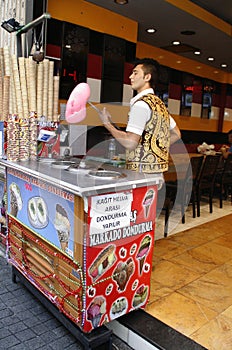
[83, 238]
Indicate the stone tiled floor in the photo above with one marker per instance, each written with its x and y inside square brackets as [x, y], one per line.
[191, 289]
[191, 284]
[25, 324]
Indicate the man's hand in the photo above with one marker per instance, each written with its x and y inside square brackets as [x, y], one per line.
[105, 116]
[225, 147]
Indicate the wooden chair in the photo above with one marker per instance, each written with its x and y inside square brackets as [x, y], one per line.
[223, 179]
[179, 193]
[196, 164]
[205, 182]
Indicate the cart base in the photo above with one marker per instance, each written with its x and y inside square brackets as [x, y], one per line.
[100, 338]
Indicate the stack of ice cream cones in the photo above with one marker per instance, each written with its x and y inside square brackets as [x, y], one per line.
[13, 136]
[27, 91]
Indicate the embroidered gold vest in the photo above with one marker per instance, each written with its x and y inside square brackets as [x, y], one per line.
[151, 154]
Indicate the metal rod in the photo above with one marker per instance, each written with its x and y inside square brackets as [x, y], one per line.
[19, 45]
[94, 107]
[33, 24]
[99, 112]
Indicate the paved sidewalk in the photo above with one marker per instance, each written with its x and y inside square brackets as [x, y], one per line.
[25, 324]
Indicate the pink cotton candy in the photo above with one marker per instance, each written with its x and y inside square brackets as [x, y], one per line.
[76, 105]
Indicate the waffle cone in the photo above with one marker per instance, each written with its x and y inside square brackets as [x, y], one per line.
[147, 208]
[141, 263]
[14, 211]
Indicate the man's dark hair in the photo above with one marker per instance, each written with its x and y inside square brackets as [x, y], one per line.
[229, 132]
[150, 66]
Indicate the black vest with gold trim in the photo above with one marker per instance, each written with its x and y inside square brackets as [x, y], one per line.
[151, 154]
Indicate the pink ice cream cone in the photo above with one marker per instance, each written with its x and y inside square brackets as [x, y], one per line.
[143, 251]
[147, 201]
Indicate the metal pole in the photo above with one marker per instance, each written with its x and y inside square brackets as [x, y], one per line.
[19, 45]
[33, 24]
[27, 27]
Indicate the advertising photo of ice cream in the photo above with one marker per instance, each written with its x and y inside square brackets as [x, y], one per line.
[42, 210]
[16, 202]
[102, 262]
[118, 307]
[62, 225]
[143, 251]
[140, 295]
[32, 212]
[148, 199]
[37, 212]
[123, 272]
[96, 309]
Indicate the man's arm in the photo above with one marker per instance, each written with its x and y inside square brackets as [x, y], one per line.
[127, 139]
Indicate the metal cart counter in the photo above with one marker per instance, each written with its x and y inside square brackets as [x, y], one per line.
[84, 238]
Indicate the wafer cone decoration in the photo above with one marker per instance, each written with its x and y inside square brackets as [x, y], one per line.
[143, 252]
[141, 263]
[148, 199]
[6, 94]
[147, 208]
[13, 209]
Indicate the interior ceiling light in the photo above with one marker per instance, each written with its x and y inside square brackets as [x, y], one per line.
[176, 43]
[121, 2]
[197, 52]
[151, 30]
[223, 65]
[210, 58]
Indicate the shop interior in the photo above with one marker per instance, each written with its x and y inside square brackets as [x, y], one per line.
[67, 43]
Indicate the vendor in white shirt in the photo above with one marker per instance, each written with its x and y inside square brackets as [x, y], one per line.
[140, 117]
[150, 128]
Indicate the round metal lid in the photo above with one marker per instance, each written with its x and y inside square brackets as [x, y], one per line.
[106, 174]
[62, 164]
